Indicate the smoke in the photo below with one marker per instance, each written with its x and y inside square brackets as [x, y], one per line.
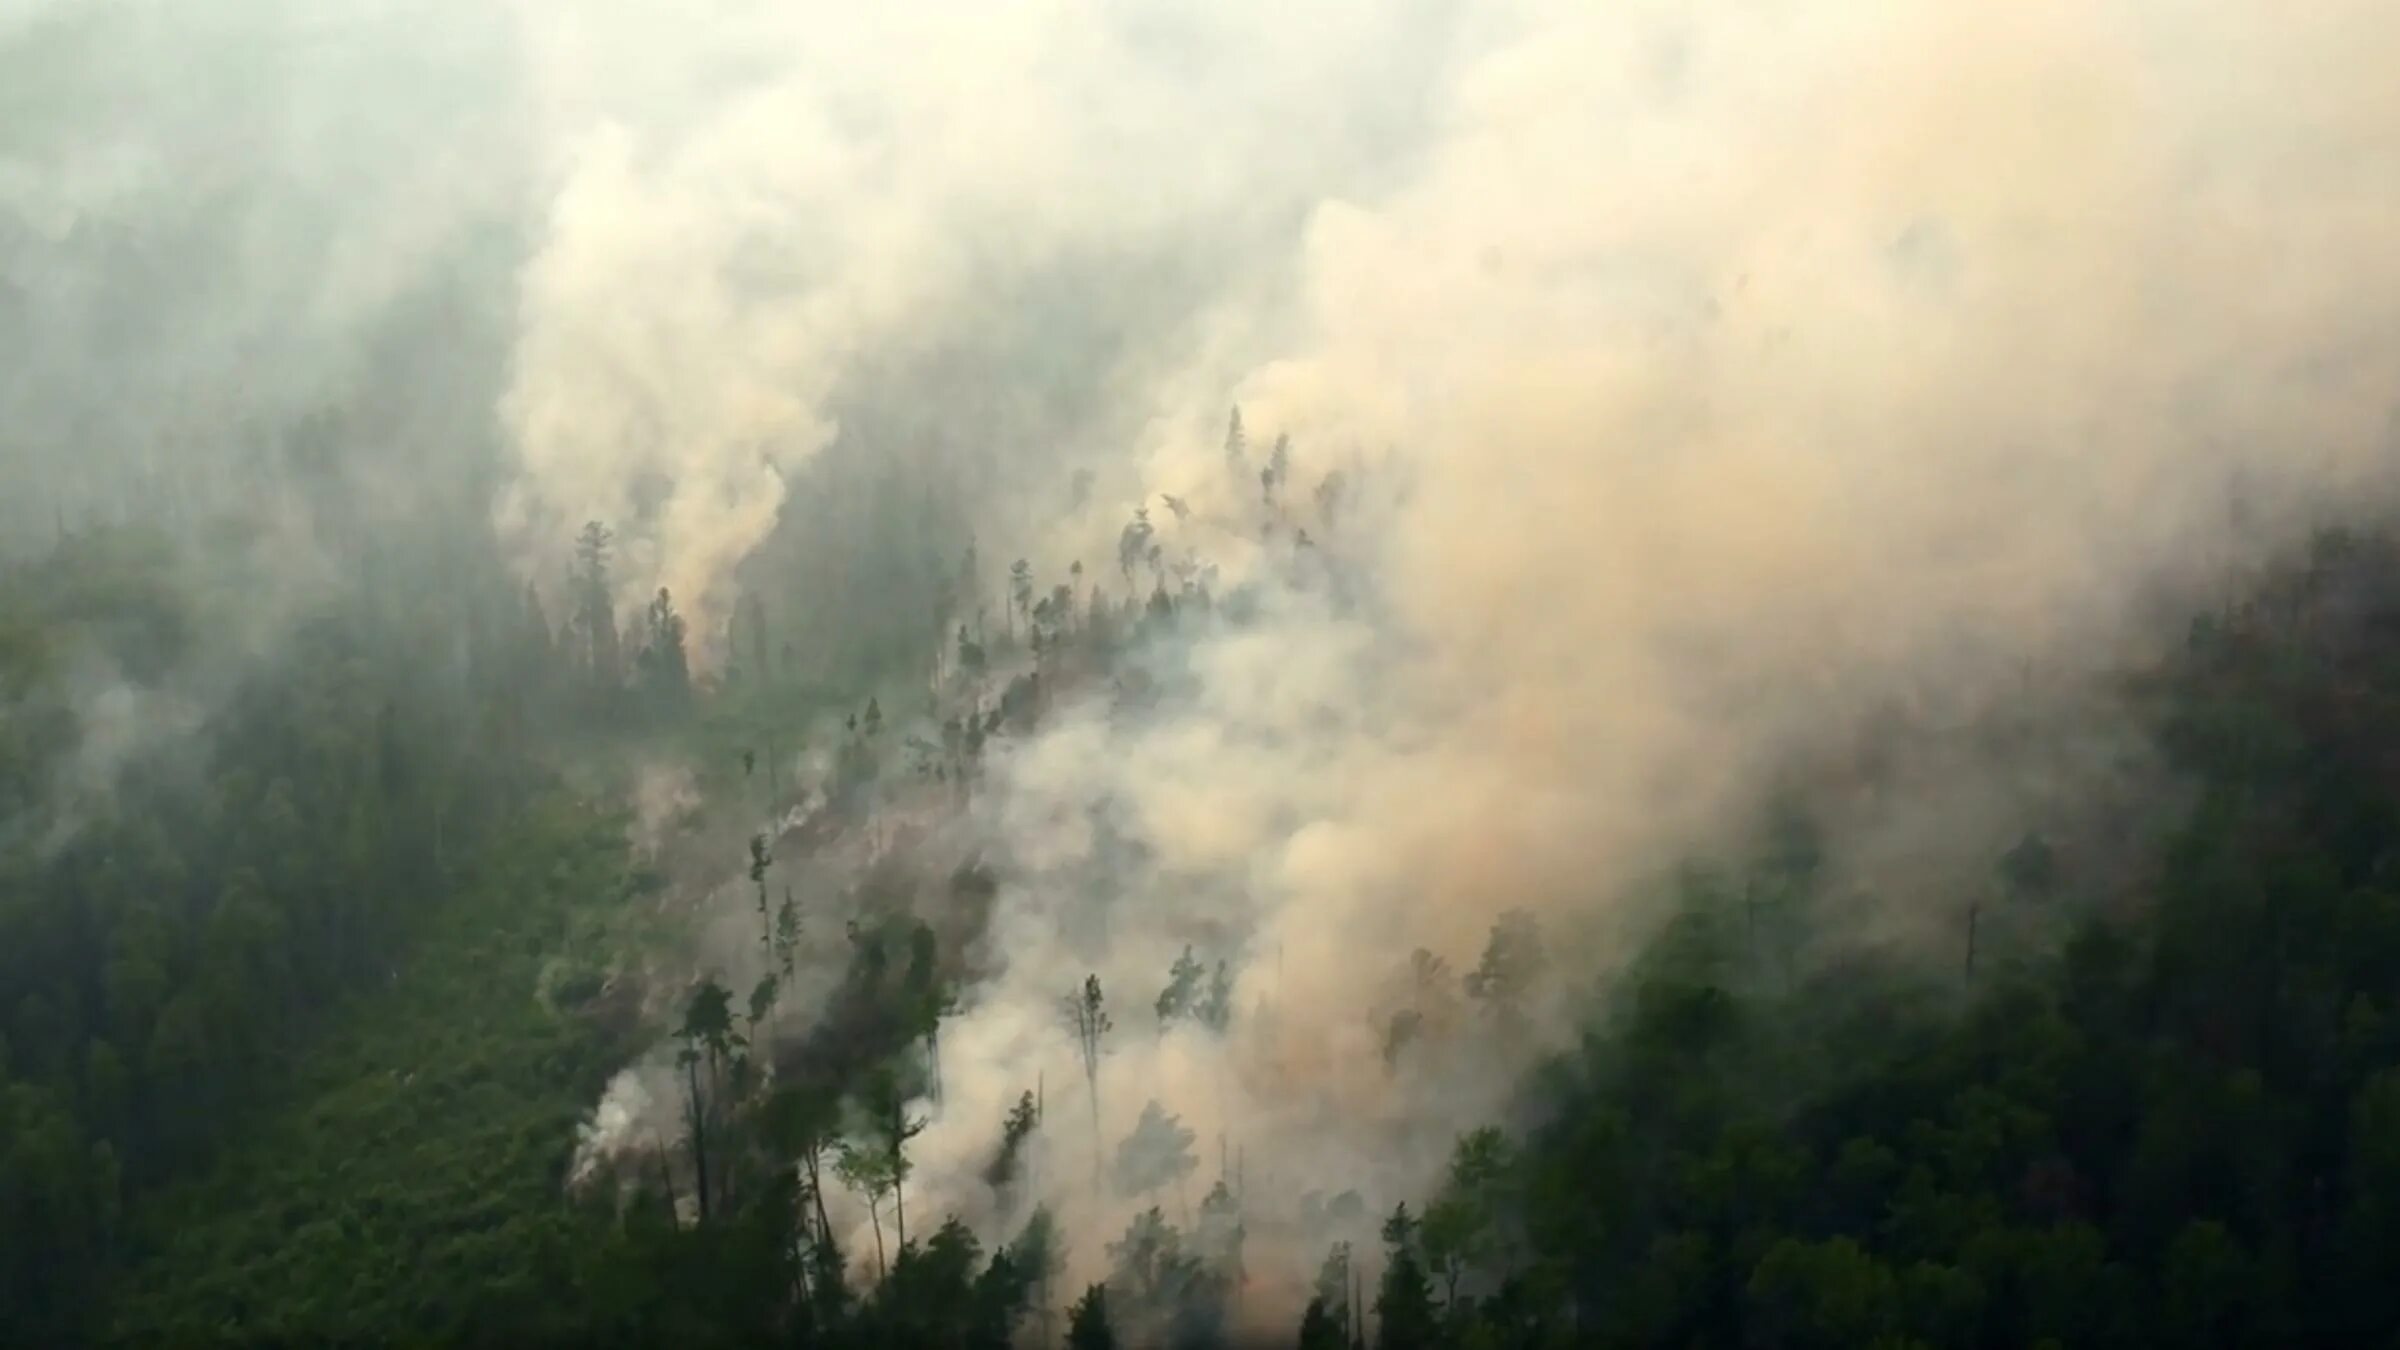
[1745, 366]
[1702, 378]
[210, 218]
[662, 798]
[754, 214]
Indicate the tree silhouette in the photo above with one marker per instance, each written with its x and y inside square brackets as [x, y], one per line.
[1087, 1016]
[891, 1128]
[867, 1170]
[1405, 1318]
[707, 1036]
[759, 861]
[1512, 959]
[1014, 1131]
[1279, 468]
[1133, 546]
[1157, 1153]
[595, 613]
[1215, 1010]
[1183, 987]
[1087, 1322]
[666, 668]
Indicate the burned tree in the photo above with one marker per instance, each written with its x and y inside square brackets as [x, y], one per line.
[1087, 1016]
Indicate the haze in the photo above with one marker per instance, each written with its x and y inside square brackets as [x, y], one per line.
[1470, 461]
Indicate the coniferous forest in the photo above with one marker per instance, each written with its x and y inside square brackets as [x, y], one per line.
[1158, 676]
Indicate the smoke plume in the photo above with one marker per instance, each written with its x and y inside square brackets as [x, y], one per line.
[753, 214]
[1744, 365]
[1699, 378]
[1669, 384]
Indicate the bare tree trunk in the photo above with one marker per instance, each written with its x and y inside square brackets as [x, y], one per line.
[900, 1206]
[666, 1176]
[816, 1189]
[803, 1242]
[875, 1218]
[1358, 1304]
[699, 1133]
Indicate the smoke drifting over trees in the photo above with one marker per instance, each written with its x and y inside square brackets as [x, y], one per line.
[1301, 521]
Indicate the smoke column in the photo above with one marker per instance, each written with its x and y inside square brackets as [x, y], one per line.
[1701, 375]
[1743, 364]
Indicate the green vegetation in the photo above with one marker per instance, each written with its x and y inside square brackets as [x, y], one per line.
[313, 966]
[201, 858]
[407, 1181]
[2177, 1131]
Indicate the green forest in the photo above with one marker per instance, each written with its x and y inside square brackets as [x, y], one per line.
[1391, 675]
[306, 999]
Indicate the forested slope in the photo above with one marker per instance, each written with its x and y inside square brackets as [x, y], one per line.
[293, 1055]
[2178, 1130]
[404, 1179]
[293, 1058]
[201, 859]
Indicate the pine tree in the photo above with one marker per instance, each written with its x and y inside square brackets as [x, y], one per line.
[595, 607]
[1087, 1323]
[1216, 1010]
[1404, 1313]
[666, 667]
[1319, 1330]
[1512, 959]
[707, 1036]
[1014, 1131]
[1088, 1016]
[1183, 985]
[1158, 1153]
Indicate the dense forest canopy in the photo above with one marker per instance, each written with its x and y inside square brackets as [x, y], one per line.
[1454, 675]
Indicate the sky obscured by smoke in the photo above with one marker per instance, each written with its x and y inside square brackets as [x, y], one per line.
[1715, 371]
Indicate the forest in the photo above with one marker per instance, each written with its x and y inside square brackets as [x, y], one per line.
[304, 1007]
[1439, 674]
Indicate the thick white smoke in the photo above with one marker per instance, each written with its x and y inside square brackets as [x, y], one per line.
[1747, 364]
[1704, 372]
[755, 208]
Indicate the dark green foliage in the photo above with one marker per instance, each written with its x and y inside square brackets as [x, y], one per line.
[409, 1187]
[664, 666]
[1319, 1330]
[2176, 1130]
[305, 975]
[1405, 1318]
[1088, 1327]
[184, 898]
[297, 1026]
[1022, 1118]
